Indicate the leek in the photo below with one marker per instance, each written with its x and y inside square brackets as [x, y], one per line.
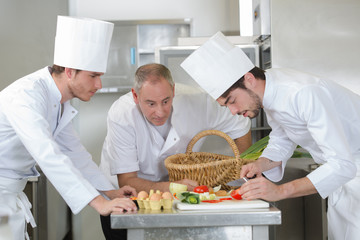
[255, 150]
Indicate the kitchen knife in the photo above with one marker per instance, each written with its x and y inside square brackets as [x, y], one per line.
[238, 182]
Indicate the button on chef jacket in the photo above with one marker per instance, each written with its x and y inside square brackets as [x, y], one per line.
[133, 144]
[31, 131]
[323, 118]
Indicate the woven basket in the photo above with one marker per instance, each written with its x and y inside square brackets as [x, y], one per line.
[206, 168]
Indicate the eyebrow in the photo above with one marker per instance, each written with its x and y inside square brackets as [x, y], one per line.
[96, 73]
[151, 101]
[227, 100]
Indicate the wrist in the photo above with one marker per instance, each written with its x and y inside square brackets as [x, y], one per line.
[96, 202]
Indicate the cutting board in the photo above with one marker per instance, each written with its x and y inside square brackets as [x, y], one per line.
[224, 205]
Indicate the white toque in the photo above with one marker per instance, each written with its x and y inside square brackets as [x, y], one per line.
[82, 43]
[217, 65]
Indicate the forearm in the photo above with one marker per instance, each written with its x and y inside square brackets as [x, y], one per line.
[267, 164]
[144, 185]
[297, 188]
[243, 142]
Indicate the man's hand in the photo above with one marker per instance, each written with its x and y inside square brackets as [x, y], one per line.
[124, 192]
[251, 169]
[191, 184]
[127, 191]
[106, 207]
[256, 168]
[260, 188]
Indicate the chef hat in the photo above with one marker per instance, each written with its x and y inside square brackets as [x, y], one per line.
[82, 43]
[217, 65]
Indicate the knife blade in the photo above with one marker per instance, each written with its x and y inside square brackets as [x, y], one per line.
[238, 182]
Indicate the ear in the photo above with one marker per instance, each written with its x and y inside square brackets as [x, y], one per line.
[174, 90]
[68, 72]
[135, 96]
[249, 80]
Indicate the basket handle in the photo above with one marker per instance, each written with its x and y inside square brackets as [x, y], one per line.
[214, 132]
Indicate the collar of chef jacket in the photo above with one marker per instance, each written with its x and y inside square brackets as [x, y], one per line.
[69, 112]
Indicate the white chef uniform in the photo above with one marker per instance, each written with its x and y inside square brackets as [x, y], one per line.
[31, 128]
[133, 144]
[323, 118]
[36, 129]
[319, 115]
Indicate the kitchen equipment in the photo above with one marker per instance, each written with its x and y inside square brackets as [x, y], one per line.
[206, 168]
[237, 182]
[223, 205]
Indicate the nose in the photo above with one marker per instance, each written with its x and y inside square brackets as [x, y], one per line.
[160, 111]
[98, 83]
[233, 110]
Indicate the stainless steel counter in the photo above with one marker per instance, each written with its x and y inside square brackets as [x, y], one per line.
[175, 224]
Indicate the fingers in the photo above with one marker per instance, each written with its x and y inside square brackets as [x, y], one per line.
[191, 184]
[122, 204]
[129, 191]
[260, 188]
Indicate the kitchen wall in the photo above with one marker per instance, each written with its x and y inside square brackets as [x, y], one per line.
[27, 36]
[320, 37]
[208, 17]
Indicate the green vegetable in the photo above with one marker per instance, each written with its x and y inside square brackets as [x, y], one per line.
[206, 196]
[188, 197]
[255, 150]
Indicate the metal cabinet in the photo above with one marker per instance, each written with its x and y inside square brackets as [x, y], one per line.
[51, 214]
[133, 44]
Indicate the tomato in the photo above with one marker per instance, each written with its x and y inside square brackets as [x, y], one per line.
[211, 201]
[235, 194]
[224, 199]
[201, 189]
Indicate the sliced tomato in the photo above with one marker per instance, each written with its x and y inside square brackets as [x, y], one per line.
[224, 199]
[201, 189]
[211, 201]
[235, 194]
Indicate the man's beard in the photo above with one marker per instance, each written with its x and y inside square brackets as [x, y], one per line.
[257, 103]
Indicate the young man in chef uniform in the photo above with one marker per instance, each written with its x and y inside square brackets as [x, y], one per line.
[36, 128]
[155, 120]
[317, 114]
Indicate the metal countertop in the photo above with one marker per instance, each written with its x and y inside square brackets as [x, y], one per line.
[174, 218]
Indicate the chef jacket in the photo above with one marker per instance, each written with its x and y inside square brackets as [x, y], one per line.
[32, 131]
[320, 116]
[133, 144]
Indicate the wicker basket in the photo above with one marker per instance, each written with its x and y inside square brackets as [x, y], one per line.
[206, 168]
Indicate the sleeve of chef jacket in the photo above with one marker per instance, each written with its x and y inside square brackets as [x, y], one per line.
[220, 118]
[279, 148]
[81, 158]
[323, 123]
[120, 141]
[25, 113]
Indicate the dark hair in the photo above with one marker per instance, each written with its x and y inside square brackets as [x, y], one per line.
[256, 71]
[57, 69]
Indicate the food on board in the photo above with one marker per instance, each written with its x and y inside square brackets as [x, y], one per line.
[235, 194]
[201, 189]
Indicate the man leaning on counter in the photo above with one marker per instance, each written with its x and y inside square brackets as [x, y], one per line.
[36, 128]
[157, 119]
[317, 114]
